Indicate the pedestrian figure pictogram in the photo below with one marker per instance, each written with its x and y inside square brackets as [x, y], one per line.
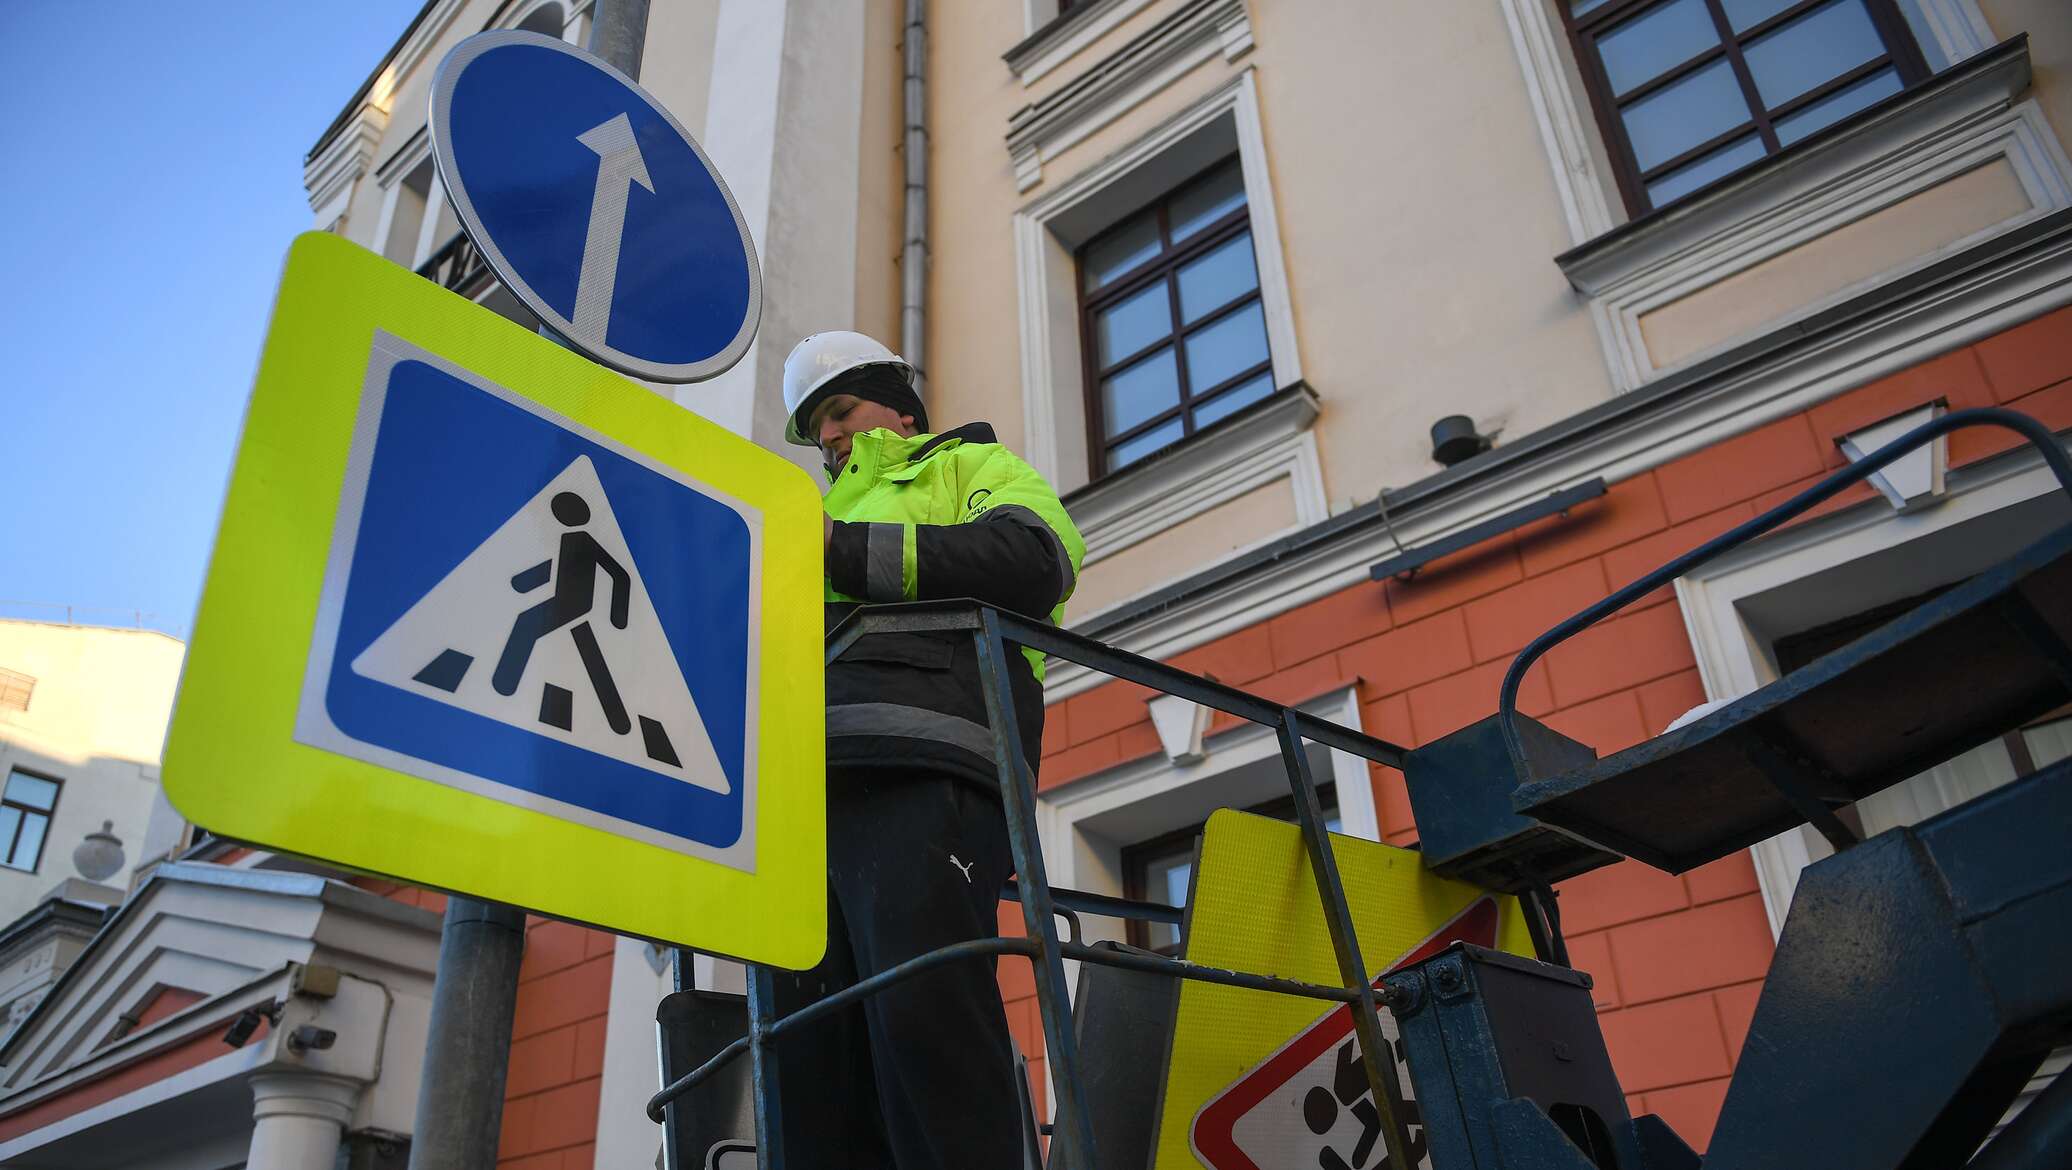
[585, 663]
[573, 569]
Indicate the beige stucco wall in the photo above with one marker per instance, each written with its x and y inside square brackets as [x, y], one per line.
[1416, 213]
[96, 723]
[2049, 25]
[1263, 512]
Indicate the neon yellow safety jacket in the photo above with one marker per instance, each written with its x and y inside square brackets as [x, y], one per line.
[925, 518]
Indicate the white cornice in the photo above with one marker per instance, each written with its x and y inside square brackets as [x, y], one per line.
[1954, 313]
[1058, 42]
[426, 35]
[1119, 82]
[328, 178]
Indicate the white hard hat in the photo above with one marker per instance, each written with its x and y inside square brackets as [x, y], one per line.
[820, 359]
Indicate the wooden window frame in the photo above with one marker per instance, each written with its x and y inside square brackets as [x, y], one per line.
[1134, 856]
[49, 815]
[16, 690]
[1164, 267]
[1901, 53]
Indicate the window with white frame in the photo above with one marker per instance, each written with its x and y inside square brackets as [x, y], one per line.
[1162, 869]
[1091, 243]
[1688, 92]
[1129, 831]
[1171, 321]
[1760, 610]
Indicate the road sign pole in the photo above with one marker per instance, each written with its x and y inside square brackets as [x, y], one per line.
[460, 1101]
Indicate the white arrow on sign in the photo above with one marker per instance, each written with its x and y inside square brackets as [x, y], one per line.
[619, 166]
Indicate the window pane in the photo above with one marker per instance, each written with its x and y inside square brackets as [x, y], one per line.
[1213, 281]
[30, 846]
[1743, 15]
[1140, 392]
[1815, 48]
[1128, 326]
[1702, 106]
[1838, 105]
[1586, 7]
[1207, 201]
[1176, 875]
[1234, 399]
[10, 820]
[1131, 245]
[23, 788]
[1651, 43]
[1144, 444]
[1720, 163]
[1227, 348]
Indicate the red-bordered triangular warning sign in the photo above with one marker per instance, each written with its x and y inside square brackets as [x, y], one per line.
[1216, 1134]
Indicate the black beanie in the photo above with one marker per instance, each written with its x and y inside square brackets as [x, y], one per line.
[879, 383]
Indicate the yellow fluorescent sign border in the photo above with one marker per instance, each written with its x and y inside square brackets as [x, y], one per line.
[232, 763]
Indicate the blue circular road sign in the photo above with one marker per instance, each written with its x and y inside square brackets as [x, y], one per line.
[595, 207]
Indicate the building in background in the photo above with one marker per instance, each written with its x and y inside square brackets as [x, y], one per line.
[1217, 268]
[83, 713]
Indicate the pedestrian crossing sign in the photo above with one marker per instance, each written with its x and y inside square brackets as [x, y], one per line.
[486, 617]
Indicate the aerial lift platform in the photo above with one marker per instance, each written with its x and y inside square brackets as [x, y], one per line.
[1921, 978]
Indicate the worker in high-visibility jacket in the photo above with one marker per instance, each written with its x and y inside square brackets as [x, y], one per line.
[920, 1075]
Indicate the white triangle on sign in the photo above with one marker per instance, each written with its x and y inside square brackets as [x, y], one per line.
[462, 643]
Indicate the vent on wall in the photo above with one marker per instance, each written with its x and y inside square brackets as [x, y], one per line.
[15, 688]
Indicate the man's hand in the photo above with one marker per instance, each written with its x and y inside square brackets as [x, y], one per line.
[827, 533]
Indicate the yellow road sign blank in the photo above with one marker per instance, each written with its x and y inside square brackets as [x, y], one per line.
[487, 617]
[1263, 1081]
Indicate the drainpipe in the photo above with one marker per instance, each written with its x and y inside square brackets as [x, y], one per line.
[913, 257]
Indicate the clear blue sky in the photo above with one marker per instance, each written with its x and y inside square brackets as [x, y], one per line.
[152, 181]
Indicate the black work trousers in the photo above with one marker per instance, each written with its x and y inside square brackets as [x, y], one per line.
[919, 1076]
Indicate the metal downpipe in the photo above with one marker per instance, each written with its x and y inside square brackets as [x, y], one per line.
[913, 254]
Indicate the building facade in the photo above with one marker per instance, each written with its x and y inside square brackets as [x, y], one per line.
[1217, 267]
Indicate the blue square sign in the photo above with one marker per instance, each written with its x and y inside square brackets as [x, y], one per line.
[525, 609]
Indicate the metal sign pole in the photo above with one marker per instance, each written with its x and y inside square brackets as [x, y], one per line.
[460, 1101]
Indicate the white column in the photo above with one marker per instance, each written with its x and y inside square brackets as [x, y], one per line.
[298, 1120]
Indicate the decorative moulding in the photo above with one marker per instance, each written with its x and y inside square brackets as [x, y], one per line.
[1272, 441]
[1119, 82]
[329, 177]
[1915, 479]
[1182, 726]
[1062, 38]
[1967, 119]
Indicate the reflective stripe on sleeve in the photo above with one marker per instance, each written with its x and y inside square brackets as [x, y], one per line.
[883, 579]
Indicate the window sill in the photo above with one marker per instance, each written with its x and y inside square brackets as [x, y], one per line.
[1966, 119]
[1263, 442]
